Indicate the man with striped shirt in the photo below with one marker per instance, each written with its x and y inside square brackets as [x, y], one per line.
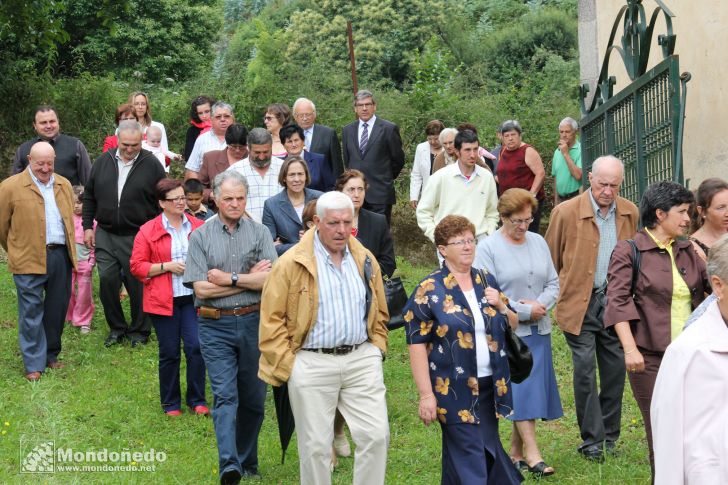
[228, 260]
[324, 332]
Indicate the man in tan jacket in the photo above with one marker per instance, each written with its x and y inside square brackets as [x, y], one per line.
[37, 231]
[581, 236]
[323, 329]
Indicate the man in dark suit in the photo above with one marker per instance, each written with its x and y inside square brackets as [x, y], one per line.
[318, 138]
[373, 145]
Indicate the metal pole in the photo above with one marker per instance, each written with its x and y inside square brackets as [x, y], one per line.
[351, 56]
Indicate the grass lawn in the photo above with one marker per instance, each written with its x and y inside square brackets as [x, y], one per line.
[109, 399]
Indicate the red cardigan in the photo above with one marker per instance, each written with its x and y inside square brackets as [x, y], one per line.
[153, 245]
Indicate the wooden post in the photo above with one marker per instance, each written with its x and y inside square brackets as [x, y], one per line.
[351, 56]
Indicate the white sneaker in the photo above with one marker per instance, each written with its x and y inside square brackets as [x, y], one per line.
[85, 329]
[341, 446]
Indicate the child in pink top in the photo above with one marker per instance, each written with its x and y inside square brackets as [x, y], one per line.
[81, 307]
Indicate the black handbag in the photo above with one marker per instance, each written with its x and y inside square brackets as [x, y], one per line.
[520, 359]
[396, 300]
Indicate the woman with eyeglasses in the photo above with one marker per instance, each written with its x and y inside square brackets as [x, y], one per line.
[216, 161]
[124, 112]
[158, 260]
[521, 263]
[277, 115]
[455, 328]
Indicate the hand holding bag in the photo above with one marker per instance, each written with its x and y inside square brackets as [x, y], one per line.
[520, 360]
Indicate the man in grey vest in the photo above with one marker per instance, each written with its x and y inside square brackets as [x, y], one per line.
[72, 160]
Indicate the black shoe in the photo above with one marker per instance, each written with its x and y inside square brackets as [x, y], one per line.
[135, 341]
[592, 453]
[610, 447]
[230, 477]
[251, 474]
[114, 339]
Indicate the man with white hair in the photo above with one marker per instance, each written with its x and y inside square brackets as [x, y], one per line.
[323, 331]
[581, 235]
[566, 163]
[221, 117]
[318, 138]
[120, 196]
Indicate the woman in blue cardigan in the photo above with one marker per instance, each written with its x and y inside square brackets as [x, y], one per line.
[282, 213]
[455, 322]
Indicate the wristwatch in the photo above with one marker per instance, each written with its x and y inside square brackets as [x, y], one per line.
[234, 278]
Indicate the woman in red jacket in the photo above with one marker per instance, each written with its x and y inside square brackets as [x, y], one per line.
[158, 260]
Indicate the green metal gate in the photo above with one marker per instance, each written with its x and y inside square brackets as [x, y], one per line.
[642, 125]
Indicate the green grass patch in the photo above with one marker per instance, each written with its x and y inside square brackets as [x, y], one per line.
[109, 399]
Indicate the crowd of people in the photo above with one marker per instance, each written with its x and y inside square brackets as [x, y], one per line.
[267, 265]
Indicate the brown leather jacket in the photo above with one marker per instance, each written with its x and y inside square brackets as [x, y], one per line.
[649, 310]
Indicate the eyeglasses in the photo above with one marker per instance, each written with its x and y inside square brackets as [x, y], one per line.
[518, 222]
[268, 118]
[177, 200]
[462, 242]
[238, 147]
[364, 105]
[303, 115]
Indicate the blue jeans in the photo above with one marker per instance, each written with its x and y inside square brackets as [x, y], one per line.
[230, 350]
[170, 329]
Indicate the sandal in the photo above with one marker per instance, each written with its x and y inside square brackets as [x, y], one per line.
[520, 465]
[540, 469]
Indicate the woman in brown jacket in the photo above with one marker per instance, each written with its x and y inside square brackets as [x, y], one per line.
[670, 280]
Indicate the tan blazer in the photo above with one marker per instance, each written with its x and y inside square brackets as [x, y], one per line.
[573, 239]
[289, 305]
[22, 222]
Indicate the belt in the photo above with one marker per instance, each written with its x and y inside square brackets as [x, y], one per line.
[240, 310]
[340, 350]
[216, 313]
[51, 247]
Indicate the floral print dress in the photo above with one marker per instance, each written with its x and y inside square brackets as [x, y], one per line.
[437, 314]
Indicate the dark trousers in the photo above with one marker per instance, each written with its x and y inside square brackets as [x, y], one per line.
[598, 411]
[535, 225]
[473, 453]
[230, 350]
[182, 325]
[385, 209]
[112, 257]
[642, 384]
[42, 305]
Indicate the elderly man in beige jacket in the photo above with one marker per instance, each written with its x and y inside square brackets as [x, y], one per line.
[323, 329]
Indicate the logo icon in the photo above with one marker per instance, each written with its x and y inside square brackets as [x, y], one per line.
[40, 459]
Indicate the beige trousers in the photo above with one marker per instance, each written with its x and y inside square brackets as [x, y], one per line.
[354, 383]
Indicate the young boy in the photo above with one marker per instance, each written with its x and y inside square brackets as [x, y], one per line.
[195, 207]
[153, 143]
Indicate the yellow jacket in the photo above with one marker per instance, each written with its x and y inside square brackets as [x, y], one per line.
[22, 222]
[289, 306]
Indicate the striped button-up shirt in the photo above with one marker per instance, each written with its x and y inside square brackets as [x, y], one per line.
[260, 188]
[229, 249]
[55, 232]
[341, 317]
[180, 243]
[607, 240]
